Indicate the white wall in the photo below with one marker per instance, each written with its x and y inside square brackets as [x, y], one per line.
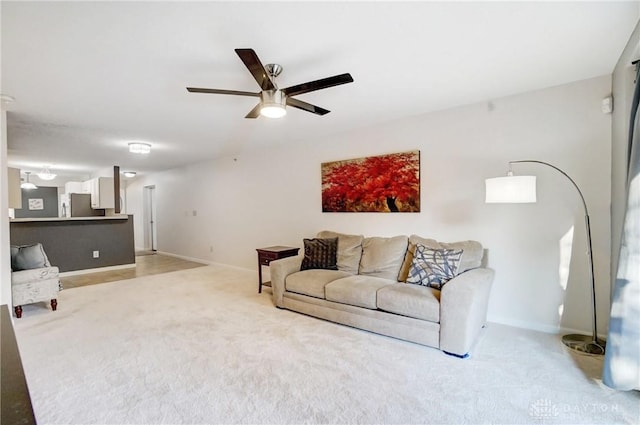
[5, 255]
[272, 196]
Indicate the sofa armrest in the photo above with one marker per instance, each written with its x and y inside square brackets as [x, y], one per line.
[279, 270]
[34, 275]
[463, 309]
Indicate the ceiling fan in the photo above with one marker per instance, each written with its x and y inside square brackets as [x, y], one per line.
[273, 99]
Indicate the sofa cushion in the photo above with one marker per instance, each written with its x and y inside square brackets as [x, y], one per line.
[312, 282]
[433, 267]
[28, 257]
[419, 302]
[471, 258]
[382, 257]
[349, 250]
[356, 290]
[320, 254]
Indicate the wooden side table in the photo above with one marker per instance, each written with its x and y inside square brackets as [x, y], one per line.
[269, 254]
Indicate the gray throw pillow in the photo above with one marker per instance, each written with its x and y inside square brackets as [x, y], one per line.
[433, 267]
[320, 254]
[14, 252]
[28, 257]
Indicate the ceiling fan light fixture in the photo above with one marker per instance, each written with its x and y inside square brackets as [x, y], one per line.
[274, 101]
[273, 111]
[273, 104]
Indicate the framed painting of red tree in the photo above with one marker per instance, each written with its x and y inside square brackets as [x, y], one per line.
[386, 183]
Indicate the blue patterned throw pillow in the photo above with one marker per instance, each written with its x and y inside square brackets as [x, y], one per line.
[433, 267]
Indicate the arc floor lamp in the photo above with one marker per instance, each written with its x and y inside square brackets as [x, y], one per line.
[522, 189]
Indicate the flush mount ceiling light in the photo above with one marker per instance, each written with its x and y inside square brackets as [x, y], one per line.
[28, 185]
[137, 147]
[129, 174]
[46, 174]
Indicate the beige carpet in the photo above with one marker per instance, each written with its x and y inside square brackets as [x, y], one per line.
[200, 346]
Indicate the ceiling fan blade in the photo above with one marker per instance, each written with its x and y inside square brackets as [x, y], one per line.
[218, 91]
[251, 61]
[255, 112]
[324, 83]
[306, 106]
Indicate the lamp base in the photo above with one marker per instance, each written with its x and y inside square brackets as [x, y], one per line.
[584, 344]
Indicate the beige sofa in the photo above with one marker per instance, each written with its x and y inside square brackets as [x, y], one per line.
[368, 291]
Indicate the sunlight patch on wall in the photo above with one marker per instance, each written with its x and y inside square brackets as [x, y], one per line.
[566, 245]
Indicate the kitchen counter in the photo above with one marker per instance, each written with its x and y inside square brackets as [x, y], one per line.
[79, 243]
[104, 217]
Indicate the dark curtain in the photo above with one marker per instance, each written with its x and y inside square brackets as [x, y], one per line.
[622, 358]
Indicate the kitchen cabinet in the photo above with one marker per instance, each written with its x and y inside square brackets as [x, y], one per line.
[102, 193]
[75, 187]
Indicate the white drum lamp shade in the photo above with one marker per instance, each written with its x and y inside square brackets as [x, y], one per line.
[511, 190]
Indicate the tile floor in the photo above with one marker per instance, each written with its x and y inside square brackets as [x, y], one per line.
[146, 264]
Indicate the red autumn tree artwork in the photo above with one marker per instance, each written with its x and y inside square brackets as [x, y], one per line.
[386, 183]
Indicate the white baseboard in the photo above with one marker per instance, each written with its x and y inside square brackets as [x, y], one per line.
[184, 257]
[525, 325]
[97, 269]
[235, 267]
[541, 328]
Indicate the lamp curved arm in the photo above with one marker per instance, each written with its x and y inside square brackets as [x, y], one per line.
[598, 344]
[584, 204]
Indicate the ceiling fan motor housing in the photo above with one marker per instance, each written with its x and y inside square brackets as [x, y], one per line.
[273, 97]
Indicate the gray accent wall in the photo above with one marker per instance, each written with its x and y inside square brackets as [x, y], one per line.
[69, 244]
[49, 196]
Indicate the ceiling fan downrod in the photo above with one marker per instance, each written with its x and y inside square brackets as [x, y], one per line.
[273, 69]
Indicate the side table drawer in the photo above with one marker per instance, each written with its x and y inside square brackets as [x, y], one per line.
[267, 257]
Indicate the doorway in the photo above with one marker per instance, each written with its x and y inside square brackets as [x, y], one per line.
[150, 225]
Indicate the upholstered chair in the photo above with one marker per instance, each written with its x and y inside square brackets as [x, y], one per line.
[33, 278]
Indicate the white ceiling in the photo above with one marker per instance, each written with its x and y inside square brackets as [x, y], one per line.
[89, 77]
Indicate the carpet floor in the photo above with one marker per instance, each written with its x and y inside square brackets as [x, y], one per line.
[201, 346]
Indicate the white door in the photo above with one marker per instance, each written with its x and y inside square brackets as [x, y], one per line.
[150, 227]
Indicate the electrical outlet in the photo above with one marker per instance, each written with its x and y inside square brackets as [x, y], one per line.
[211, 248]
[96, 254]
